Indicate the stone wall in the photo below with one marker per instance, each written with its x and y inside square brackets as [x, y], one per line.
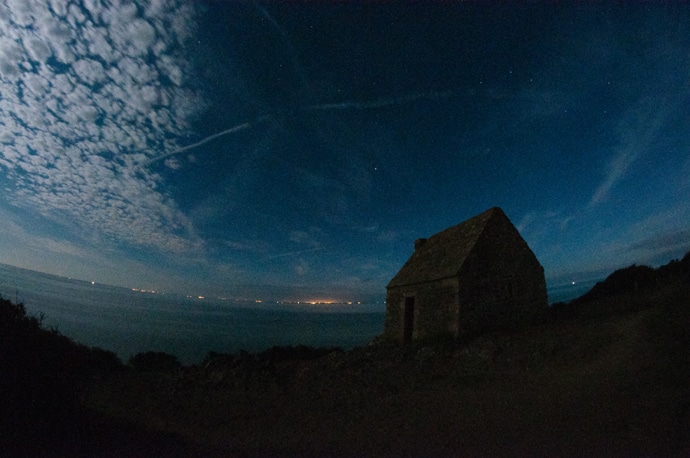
[435, 310]
[501, 283]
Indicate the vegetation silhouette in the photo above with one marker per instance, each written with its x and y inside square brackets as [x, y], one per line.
[625, 290]
[42, 378]
[154, 361]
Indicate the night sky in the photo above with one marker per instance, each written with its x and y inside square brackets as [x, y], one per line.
[297, 149]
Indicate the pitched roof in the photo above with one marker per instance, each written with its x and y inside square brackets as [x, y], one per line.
[443, 254]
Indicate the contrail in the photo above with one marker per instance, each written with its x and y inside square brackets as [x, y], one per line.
[288, 43]
[379, 103]
[231, 130]
[294, 253]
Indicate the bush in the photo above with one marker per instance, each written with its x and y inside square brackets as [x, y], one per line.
[154, 361]
[13, 318]
[279, 354]
[42, 377]
[631, 279]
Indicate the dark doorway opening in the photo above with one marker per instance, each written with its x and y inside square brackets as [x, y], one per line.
[408, 325]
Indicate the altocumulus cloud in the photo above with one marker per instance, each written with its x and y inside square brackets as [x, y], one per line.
[88, 91]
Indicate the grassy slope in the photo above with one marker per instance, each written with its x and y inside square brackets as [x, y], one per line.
[601, 384]
[44, 377]
[603, 376]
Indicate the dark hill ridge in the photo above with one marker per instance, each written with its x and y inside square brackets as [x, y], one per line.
[631, 286]
[604, 375]
[636, 278]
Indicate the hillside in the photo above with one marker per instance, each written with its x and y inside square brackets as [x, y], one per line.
[604, 375]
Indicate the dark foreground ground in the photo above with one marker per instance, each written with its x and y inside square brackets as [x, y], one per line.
[606, 375]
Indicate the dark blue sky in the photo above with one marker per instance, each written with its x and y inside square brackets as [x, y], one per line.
[297, 150]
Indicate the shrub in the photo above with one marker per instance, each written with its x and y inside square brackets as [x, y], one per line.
[630, 279]
[42, 377]
[154, 361]
[13, 318]
[278, 354]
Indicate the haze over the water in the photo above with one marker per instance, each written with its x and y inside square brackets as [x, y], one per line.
[128, 321]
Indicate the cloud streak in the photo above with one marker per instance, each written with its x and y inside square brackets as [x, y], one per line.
[295, 253]
[304, 81]
[381, 103]
[637, 131]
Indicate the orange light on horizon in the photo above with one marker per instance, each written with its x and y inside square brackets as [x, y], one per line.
[331, 301]
[323, 302]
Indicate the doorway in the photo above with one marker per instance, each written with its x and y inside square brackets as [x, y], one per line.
[408, 323]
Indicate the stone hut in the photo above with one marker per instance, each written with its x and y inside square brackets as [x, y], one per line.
[477, 276]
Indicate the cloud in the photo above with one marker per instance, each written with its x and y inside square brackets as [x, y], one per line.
[525, 221]
[295, 253]
[381, 103]
[388, 236]
[172, 163]
[89, 91]
[24, 248]
[248, 246]
[618, 167]
[14, 235]
[669, 226]
[292, 52]
[665, 243]
[311, 238]
[637, 131]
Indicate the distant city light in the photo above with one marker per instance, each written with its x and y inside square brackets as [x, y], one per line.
[151, 291]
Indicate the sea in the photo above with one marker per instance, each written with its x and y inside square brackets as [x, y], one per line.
[127, 321]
